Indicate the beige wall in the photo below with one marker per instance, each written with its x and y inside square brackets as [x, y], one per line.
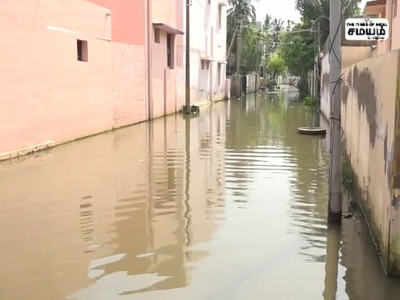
[350, 56]
[47, 94]
[369, 96]
[353, 55]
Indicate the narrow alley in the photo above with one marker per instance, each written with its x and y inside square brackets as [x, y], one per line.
[229, 205]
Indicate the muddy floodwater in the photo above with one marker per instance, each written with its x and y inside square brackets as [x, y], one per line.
[229, 205]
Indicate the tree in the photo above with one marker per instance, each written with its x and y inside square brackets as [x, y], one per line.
[276, 65]
[277, 26]
[241, 12]
[312, 10]
[272, 28]
[297, 50]
[252, 48]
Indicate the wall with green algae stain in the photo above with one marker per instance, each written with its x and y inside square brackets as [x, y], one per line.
[394, 240]
[359, 196]
[371, 125]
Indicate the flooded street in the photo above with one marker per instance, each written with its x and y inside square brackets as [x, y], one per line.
[229, 205]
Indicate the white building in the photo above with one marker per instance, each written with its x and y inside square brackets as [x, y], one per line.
[208, 50]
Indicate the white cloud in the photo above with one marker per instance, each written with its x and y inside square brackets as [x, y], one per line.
[283, 9]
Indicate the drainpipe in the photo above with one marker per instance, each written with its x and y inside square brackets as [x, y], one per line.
[391, 26]
[149, 59]
[187, 95]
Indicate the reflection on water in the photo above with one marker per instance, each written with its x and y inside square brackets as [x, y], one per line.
[230, 205]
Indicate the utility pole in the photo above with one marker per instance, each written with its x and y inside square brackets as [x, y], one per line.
[187, 94]
[238, 56]
[318, 62]
[238, 48]
[149, 38]
[335, 61]
[316, 59]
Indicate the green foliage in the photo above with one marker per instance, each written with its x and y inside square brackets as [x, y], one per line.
[276, 65]
[309, 101]
[259, 41]
[297, 50]
[252, 48]
[240, 12]
[302, 85]
[311, 10]
[347, 173]
[272, 29]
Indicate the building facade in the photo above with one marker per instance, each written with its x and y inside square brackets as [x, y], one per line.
[69, 70]
[77, 68]
[208, 51]
[390, 10]
[167, 57]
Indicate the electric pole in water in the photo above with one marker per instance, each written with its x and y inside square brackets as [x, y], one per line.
[238, 48]
[238, 56]
[187, 94]
[335, 61]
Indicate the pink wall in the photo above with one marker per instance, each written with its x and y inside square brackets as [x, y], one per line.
[167, 84]
[128, 20]
[394, 42]
[47, 94]
[396, 29]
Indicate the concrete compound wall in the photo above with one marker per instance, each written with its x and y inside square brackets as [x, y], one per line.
[371, 126]
[253, 82]
[350, 56]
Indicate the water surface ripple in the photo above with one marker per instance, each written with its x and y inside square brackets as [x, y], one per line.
[229, 205]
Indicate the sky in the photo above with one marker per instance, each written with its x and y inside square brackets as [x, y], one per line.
[283, 9]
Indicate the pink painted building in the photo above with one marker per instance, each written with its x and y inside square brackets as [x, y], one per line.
[167, 57]
[389, 9]
[71, 69]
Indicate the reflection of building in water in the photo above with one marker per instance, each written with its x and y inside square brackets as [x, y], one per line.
[111, 210]
[86, 220]
[364, 276]
[166, 202]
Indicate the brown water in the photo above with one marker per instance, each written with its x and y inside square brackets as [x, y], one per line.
[234, 210]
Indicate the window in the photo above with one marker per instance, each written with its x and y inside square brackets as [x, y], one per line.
[170, 50]
[82, 47]
[205, 64]
[157, 35]
[219, 73]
